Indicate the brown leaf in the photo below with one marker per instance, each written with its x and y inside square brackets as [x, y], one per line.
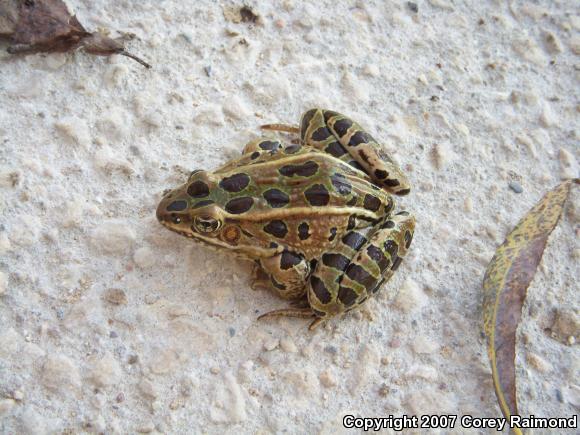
[8, 17]
[34, 26]
[505, 285]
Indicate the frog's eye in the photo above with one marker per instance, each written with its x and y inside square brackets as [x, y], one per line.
[206, 224]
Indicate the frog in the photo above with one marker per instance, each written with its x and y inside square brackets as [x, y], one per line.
[316, 215]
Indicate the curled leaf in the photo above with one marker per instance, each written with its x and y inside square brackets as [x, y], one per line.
[505, 285]
[34, 26]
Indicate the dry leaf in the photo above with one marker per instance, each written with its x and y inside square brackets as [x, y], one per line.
[505, 284]
[34, 26]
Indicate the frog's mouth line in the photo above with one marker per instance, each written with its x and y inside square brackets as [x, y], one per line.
[242, 251]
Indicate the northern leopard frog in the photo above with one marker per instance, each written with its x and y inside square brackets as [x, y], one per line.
[317, 217]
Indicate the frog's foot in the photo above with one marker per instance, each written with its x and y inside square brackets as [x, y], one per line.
[293, 129]
[303, 313]
[300, 312]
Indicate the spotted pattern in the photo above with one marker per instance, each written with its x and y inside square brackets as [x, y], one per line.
[289, 260]
[235, 183]
[347, 296]
[332, 234]
[303, 231]
[198, 189]
[177, 206]
[335, 149]
[378, 257]
[360, 137]
[292, 149]
[381, 174]
[307, 169]
[306, 118]
[320, 289]
[408, 239]
[321, 134]
[239, 205]
[354, 240]
[276, 198]
[317, 195]
[341, 126]
[358, 273]
[269, 145]
[277, 228]
[371, 202]
[337, 261]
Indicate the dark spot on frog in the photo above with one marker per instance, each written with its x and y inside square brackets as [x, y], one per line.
[276, 198]
[378, 257]
[403, 191]
[371, 202]
[270, 145]
[380, 174]
[388, 225]
[320, 289]
[336, 261]
[408, 239]
[235, 183]
[332, 234]
[255, 155]
[360, 137]
[239, 205]
[306, 169]
[289, 260]
[335, 149]
[392, 248]
[292, 149]
[391, 183]
[347, 296]
[177, 206]
[317, 195]
[304, 124]
[341, 126]
[363, 155]
[277, 228]
[351, 223]
[321, 134]
[303, 231]
[397, 263]
[198, 189]
[357, 273]
[352, 202]
[329, 114]
[354, 240]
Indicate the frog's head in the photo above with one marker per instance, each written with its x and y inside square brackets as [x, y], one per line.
[200, 210]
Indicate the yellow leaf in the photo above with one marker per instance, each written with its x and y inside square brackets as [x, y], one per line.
[505, 285]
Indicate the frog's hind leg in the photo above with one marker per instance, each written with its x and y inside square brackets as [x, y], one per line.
[345, 279]
[346, 140]
[303, 313]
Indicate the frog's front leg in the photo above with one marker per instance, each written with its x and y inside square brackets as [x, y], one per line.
[344, 279]
[344, 139]
[287, 273]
